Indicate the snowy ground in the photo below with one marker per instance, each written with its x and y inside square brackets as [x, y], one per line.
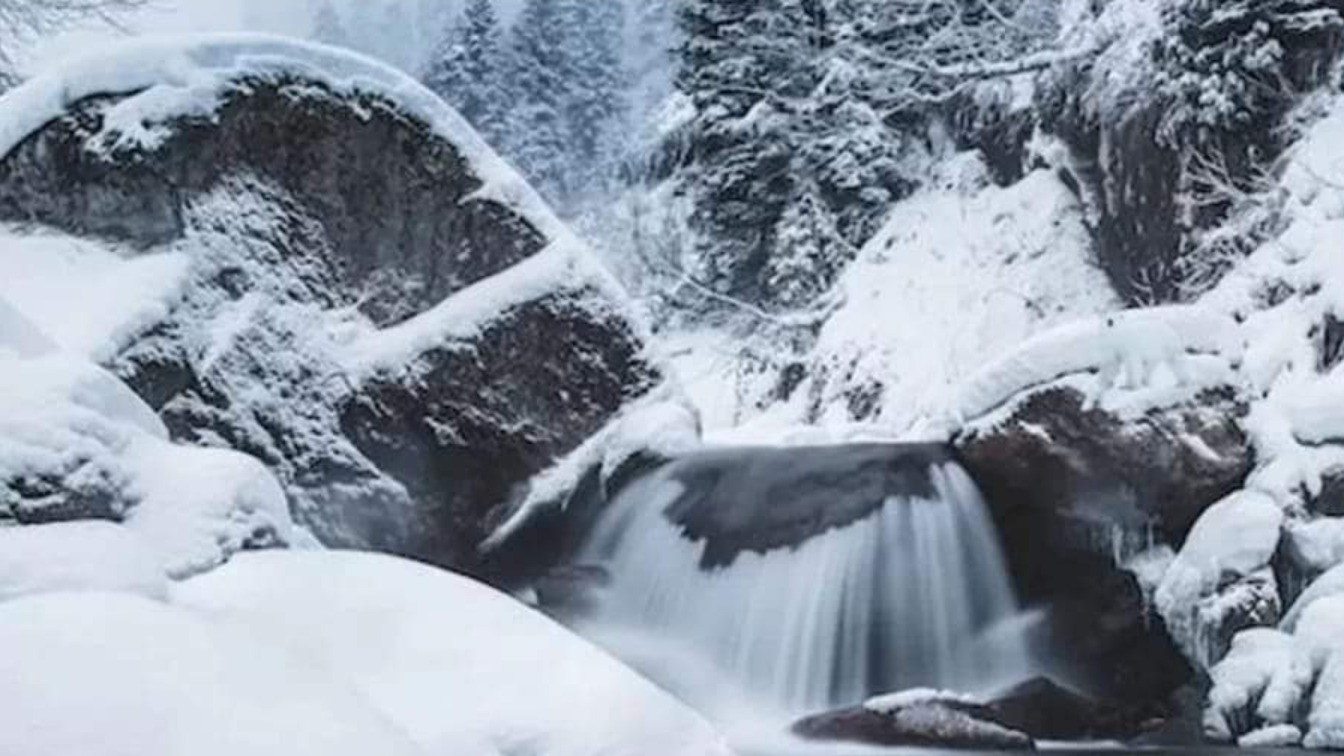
[289, 652]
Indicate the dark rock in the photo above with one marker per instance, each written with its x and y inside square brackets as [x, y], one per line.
[1047, 711]
[784, 496]
[1075, 490]
[1330, 501]
[932, 724]
[478, 419]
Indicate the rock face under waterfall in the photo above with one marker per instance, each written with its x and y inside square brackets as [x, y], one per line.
[374, 304]
[1077, 490]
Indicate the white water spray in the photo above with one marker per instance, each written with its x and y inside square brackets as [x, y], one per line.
[914, 594]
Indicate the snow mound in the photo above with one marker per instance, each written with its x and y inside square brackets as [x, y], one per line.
[1241, 679]
[448, 659]
[78, 556]
[116, 675]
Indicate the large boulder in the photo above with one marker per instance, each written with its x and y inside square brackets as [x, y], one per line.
[370, 301]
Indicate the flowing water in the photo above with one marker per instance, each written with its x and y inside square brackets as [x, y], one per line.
[912, 593]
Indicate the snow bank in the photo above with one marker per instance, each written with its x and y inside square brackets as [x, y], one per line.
[1235, 538]
[448, 659]
[116, 675]
[77, 556]
[88, 297]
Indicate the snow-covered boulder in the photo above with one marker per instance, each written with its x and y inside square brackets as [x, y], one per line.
[302, 254]
[447, 659]
[77, 444]
[1221, 581]
[102, 674]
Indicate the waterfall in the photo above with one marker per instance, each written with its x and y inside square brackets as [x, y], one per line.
[822, 576]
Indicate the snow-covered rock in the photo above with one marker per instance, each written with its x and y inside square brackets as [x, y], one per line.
[379, 309]
[1221, 581]
[120, 675]
[77, 444]
[78, 556]
[1240, 681]
[447, 659]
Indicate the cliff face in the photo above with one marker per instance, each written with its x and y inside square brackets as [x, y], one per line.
[369, 301]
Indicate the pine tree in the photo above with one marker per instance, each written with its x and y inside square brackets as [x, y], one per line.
[328, 27]
[536, 81]
[466, 70]
[595, 106]
[790, 169]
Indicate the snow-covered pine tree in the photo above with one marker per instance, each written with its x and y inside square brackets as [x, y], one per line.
[595, 102]
[789, 167]
[536, 82]
[466, 70]
[328, 28]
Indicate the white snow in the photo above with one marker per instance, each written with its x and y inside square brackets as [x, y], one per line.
[1235, 537]
[1320, 635]
[88, 297]
[199, 506]
[448, 659]
[1329, 584]
[1240, 679]
[1315, 545]
[119, 675]
[1132, 350]
[77, 556]
[890, 702]
[1274, 736]
[64, 419]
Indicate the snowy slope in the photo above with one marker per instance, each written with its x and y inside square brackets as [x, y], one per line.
[960, 274]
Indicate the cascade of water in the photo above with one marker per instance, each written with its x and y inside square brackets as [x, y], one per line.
[906, 596]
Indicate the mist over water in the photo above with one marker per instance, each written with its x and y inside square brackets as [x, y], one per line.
[915, 594]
